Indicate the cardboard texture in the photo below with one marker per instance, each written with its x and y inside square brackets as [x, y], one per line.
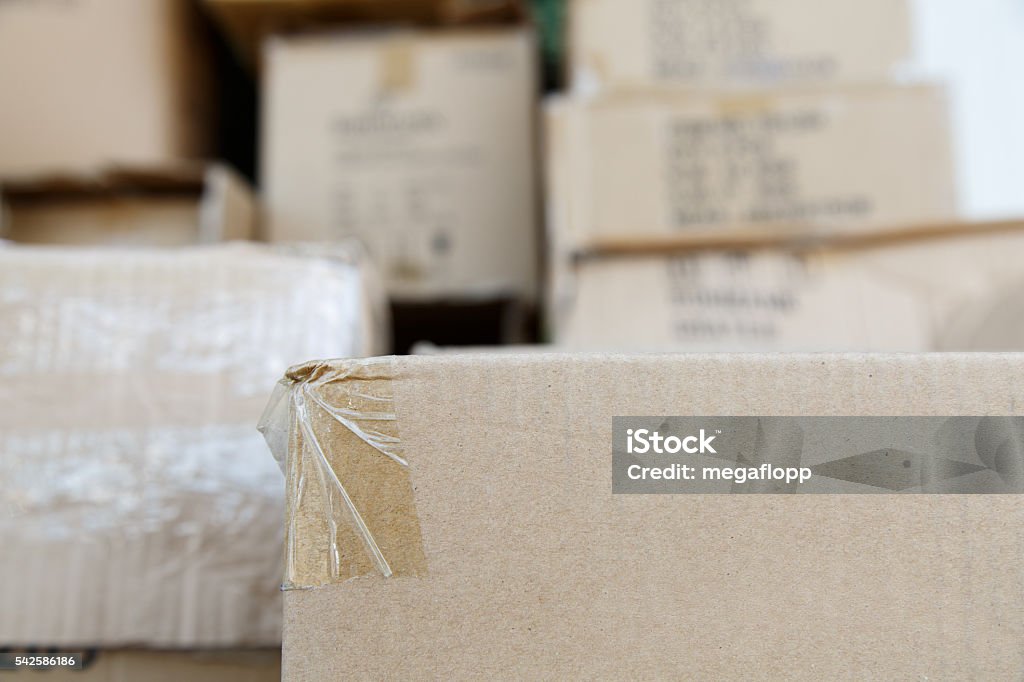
[511, 558]
[847, 157]
[735, 43]
[137, 506]
[93, 82]
[167, 206]
[250, 22]
[425, 154]
[957, 287]
[132, 665]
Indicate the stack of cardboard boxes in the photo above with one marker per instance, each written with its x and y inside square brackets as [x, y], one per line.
[711, 173]
[417, 141]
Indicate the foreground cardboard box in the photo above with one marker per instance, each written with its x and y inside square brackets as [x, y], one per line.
[136, 508]
[132, 665]
[955, 287]
[721, 44]
[656, 164]
[509, 556]
[167, 206]
[423, 150]
[93, 82]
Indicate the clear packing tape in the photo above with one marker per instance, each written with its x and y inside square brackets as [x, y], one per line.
[333, 430]
[138, 505]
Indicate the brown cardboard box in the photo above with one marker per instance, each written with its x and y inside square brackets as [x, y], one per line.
[137, 509]
[956, 287]
[92, 82]
[658, 164]
[250, 22]
[419, 144]
[133, 665]
[509, 556]
[167, 206]
[629, 43]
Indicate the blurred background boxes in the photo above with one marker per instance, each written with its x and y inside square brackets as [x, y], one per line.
[762, 43]
[421, 145]
[250, 22]
[755, 175]
[92, 82]
[838, 157]
[955, 287]
[172, 205]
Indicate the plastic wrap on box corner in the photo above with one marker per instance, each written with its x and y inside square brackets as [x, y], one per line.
[138, 505]
[308, 409]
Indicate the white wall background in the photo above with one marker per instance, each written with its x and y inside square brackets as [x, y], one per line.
[977, 48]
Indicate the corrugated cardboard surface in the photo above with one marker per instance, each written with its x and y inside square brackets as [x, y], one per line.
[735, 42]
[535, 570]
[99, 81]
[172, 205]
[423, 149]
[137, 506]
[960, 288]
[170, 666]
[849, 157]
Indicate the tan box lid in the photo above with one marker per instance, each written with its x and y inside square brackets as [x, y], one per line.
[483, 487]
[137, 508]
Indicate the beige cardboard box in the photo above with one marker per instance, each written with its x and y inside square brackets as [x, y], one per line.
[419, 144]
[249, 23]
[657, 164]
[629, 43]
[491, 510]
[136, 508]
[167, 206]
[92, 82]
[957, 287]
[134, 665]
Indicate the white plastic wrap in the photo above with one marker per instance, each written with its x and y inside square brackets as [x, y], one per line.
[137, 505]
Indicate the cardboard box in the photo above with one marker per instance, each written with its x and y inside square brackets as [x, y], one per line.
[250, 22]
[137, 509]
[658, 164]
[167, 206]
[500, 551]
[93, 82]
[956, 287]
[134, 665]
[617, 43]
[422, 148]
